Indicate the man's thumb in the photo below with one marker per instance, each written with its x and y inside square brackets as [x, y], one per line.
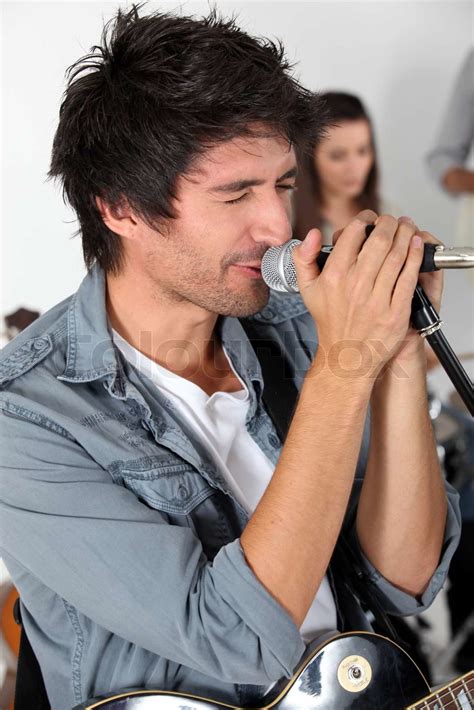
[304, 257]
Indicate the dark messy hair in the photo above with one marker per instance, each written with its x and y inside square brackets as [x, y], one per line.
[159, 91]
[339, 107]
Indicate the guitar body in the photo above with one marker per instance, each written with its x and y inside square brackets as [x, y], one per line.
[356, 671]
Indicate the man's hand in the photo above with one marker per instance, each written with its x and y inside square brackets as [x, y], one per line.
[364, 294]
[432, 283]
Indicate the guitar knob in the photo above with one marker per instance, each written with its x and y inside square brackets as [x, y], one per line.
[354, 673]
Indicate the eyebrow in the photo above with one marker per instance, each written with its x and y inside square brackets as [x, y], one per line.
[239, 185]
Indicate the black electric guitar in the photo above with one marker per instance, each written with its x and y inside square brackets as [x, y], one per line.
[354, 671]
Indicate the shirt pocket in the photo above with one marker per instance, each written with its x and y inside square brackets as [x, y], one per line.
[172, 487]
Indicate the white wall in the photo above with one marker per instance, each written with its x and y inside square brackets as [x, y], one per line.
[401, 57]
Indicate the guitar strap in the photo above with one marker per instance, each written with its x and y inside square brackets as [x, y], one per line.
[279, 397]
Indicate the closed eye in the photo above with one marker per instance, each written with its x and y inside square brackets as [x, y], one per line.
[240, 199]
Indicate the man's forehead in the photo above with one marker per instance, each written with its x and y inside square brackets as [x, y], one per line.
[232, 159]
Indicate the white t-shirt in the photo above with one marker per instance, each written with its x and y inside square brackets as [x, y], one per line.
[219, 423]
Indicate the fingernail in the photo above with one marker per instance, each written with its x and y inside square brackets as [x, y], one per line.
[417, 242]
[407, 219]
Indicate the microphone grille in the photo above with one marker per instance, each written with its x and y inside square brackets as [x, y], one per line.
[277, 268]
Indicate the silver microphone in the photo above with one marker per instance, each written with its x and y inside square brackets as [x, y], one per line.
[279, 273]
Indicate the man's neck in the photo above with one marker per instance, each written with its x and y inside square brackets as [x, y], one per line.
[179, 336]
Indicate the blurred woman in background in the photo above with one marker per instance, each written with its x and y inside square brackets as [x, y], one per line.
[342, 177]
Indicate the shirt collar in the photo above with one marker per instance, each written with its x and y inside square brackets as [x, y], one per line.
[91, 353]
[235, 340]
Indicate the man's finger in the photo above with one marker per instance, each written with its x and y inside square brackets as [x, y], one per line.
[351, 238]
[408, 278]
[336, 235]
[429, 238]
[304, 258]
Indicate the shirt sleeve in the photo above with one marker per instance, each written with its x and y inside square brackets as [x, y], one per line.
[392, 599]
[456, 133]
[122, 564]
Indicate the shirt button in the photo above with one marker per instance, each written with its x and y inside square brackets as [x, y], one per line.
[273, 441]
[267, 313]
[40, 343]
[183, 492]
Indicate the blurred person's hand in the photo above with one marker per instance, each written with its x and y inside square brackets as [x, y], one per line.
[459, 180]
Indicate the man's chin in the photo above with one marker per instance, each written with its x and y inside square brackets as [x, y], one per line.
[245, 307]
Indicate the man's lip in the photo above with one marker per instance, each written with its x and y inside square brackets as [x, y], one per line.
[250, 266]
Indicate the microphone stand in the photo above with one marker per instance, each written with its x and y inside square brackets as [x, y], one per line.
[427, 322]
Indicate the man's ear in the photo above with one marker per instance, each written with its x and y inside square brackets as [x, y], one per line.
[119, 218]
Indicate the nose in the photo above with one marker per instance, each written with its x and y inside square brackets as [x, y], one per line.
[357, 165]
[271, 221]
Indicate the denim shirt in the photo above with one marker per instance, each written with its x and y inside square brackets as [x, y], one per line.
[120, 533]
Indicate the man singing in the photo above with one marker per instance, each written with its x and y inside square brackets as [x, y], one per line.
[159, 532]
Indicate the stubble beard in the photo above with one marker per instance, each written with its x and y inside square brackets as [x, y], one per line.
[194, 282]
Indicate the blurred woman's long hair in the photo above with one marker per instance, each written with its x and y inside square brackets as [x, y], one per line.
[307, 201]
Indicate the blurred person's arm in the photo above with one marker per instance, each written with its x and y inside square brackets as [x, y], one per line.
[459, 180]
[446, 160]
